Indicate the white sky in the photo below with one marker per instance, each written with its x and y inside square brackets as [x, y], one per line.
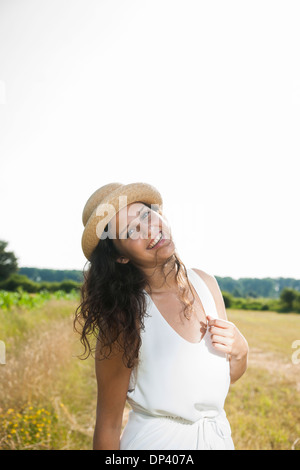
[199, 98]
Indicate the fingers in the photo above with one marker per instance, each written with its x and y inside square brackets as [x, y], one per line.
[221, 347]
[218, 322]
[226, 340]
[215, 330]
[226, 337]
[222, 334]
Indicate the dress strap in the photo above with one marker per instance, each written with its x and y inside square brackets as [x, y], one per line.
[204, 293]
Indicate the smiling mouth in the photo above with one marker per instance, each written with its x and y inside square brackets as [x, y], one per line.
[157, 239]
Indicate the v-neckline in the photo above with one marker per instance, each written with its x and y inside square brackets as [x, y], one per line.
[168, 324]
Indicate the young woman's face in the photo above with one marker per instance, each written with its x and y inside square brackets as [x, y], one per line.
[141, 235]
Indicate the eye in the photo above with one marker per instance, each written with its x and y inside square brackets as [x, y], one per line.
[129, 232]
[145, 214]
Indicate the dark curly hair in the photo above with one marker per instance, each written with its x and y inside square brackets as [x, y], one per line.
[113, 304]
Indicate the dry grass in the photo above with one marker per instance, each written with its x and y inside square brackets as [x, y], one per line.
[43, 375]
[263, 407]
[42, 371]
[33, 369]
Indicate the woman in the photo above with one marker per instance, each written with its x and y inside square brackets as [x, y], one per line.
[162, 338]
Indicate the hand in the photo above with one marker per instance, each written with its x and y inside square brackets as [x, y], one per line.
[227, 338]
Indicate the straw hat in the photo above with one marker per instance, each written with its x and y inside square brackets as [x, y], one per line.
[104, 203]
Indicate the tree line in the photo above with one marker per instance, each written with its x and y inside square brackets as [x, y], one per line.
[32, 280]
[279, 294]
[243, 287]
[256, 287]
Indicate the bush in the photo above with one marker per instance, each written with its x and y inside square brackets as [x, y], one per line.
[287, 297]
[253, 305]
[238, 303]
[265, 307]
[289, 301]
[16, 281]
[227, 299]
[68, 285]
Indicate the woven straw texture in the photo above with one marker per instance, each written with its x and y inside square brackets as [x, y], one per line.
[104, 203]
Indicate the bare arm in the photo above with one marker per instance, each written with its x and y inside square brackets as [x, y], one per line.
[112, 382]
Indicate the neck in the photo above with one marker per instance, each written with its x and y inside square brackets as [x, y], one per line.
[162, 278]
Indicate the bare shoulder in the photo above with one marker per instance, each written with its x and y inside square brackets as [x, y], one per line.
[215, 290]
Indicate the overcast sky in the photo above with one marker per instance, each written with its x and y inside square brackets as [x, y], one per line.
[199, 98]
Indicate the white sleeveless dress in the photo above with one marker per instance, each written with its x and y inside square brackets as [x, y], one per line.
[178, 390]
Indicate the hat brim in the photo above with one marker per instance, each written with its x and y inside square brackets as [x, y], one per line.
[108, 208]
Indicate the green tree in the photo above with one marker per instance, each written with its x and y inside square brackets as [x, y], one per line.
[227, 299]
[288, 295]
[8, 262]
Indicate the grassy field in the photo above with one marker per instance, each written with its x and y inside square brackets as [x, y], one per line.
[48, 395]
[263, 407]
